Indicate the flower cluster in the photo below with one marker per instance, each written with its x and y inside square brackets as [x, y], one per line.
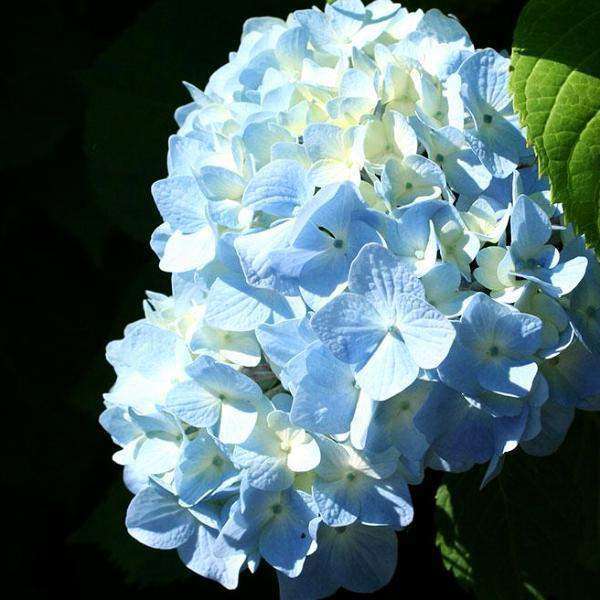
[368, 279]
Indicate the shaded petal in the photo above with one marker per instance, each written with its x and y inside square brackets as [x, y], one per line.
[155, 519]
[388, 371]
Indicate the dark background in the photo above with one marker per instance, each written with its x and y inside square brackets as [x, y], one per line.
[88, 98]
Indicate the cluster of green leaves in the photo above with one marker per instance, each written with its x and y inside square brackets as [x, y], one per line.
[533, 532]
[556, 85]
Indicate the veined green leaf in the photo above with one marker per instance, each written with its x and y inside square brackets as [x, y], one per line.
[556, 83]
[534, 531]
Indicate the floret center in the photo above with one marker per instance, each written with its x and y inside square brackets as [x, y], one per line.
[487, 119]
[531, 263]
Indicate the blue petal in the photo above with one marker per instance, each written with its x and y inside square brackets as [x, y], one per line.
[359, 558]
[325, 398]
[278, 188]
[197, 554]
[350, 328]
[155, 519]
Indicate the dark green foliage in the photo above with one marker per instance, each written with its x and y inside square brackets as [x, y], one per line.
[534, 531]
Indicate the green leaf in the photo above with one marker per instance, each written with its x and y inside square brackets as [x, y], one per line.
[556, 85]
[534, 531]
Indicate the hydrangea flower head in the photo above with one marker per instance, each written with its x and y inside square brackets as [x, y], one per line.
[368, 281]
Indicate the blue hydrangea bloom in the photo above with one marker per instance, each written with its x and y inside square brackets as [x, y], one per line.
[352, 485]
[368, 280]
[494, 134]
[494, 350]
[384, 327]
[275, 524]
[532, 258]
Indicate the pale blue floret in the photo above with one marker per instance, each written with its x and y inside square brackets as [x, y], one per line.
[237, 347]
[329, 232]
[494, 350]
[574, 377]
[217, 396]
[411, 237]
[311, 254]
[557, 329]
[291, 50]
[532, 258]
[336, 26]
[155, 519]
[357, 97]
[279, 188]
[235, 305]
[278, 525]
[336, 153]
[384, 327]
[528, 182]
[351, 485]
[495, 136]
[443, 43]
[260, 136]
[267, 259]
[198, 554]
[150, 443]
[414, 178]
[188, 152]
[556, 420]
[180, 203]
[387, 138]
[458, 245]
[463, 433]
[282, 342]
[448, 148]
[181, 252]
[583, 306]
[223, 189]
[275, 452]
[392, 423]
[326, 394]
[499, 191]
[442, 285]
[488, 219]
[148, 351]
[204, 468]
[357, 557]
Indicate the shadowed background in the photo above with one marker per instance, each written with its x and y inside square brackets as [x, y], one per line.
[90, 93]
